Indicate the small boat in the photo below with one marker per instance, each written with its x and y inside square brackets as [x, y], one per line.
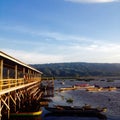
[75, 110]
[83, 86]
[95, 89]
[66, 88]
[112, 88]
[101, 89]
[27, 113]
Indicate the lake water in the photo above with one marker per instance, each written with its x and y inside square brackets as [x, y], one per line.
[110, 100]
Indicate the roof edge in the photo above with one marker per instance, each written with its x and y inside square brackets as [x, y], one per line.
[18, 61]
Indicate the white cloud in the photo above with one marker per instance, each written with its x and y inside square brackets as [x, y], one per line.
[72, 48]
[32, 57]
[92, 1]
[99, 52]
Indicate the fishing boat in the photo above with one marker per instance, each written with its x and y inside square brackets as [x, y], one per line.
[101, 89]
[82, 86]
[112, 88]
[75, 110]
[95, 89]
[66, 88]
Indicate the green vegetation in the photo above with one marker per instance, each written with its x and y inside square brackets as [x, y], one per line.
[110, 80]
[70, 100]
[78, 69]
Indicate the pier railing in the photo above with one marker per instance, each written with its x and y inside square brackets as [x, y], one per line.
[10, 83]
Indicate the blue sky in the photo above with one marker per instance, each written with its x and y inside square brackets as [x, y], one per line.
[53, 31]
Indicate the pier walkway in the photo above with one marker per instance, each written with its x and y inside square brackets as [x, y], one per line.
[19, 83]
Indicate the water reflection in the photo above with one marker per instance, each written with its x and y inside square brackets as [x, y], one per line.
[71, 117]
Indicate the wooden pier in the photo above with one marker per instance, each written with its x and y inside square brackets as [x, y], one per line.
[19, 84]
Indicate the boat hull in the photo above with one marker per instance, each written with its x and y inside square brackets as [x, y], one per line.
[27, 113]
[69, 109]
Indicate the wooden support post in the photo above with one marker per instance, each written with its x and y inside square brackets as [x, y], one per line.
[30, 75]
[24, 76]
[1, 74]
[8, 76]
[9, 105]
[16, 75]
[33, 76]
[18, 98]
[15, 98]
[27, 75]
[0, 108]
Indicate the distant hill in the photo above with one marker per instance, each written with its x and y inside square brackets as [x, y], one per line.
[78, 69]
